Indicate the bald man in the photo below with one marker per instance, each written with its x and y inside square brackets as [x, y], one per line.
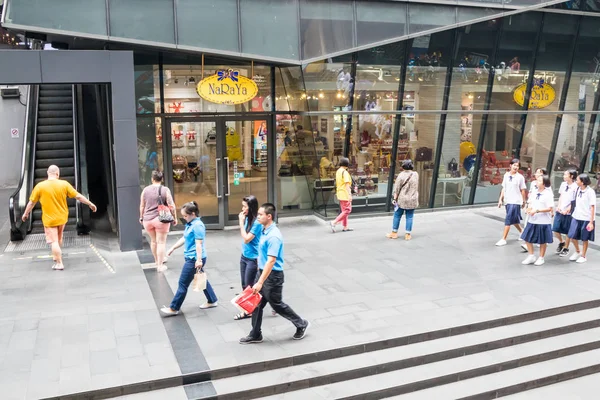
[52, 195]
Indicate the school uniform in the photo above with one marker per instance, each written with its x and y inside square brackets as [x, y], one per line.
[584, 200]
[539, 228]
[512, 186]
[562, 222]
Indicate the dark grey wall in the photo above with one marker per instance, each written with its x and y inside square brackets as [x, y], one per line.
[116, 69]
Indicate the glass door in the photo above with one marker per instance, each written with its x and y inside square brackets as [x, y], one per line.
[246, 161]
[197, 167]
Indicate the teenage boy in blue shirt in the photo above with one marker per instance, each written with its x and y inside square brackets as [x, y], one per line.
[270, 281]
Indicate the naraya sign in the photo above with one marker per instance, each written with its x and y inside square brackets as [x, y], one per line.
[227, 87]
[542, 94]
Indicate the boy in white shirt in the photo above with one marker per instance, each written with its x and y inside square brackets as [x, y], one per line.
[562, 219]
[513, 194]
[539, 230]
[583, 222]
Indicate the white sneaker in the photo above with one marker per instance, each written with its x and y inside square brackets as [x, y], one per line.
[161, 268]
[208, 305]
[529, 260]
[581, 260]
[520, 239]
[540, 261]
[524, 248]
[332, 227]
[574, 257]
[501, 242]
[58, 267]
[168, 312]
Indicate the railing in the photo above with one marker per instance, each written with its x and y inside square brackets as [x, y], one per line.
[80, 160]
[18, 200]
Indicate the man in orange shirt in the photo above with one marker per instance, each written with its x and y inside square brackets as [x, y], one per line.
[52, 195]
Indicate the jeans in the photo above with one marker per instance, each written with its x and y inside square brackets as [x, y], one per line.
[398, 216]
[271, 293]
[248, 269]
[186, 277]
[346, 207]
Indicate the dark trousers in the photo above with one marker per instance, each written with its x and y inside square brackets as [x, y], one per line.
[186, 277]
[271, 293]
[248, 269]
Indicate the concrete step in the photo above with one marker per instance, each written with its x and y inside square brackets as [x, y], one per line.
[574, 389]
[480, 376]
[477, 350]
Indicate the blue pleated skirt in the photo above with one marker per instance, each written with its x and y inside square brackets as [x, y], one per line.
[578, 230]
[513, 214]
[537, 233]
[562, 223]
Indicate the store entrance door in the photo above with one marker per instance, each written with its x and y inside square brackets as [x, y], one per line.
[216, 162]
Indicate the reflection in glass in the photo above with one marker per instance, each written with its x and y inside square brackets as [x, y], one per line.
[325, 27]
[149, 145]
[199, 21]
[377, 21]
[150, 20]
[147, 84]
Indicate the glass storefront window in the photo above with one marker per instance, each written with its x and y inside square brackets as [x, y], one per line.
[325, 27]
[154, 24]
[182, 75]
[270, 28]
[502, 136]
[65, 15]
[208, 24]
[150, 150]
[147, 83]
[378, 20]
[290, 94]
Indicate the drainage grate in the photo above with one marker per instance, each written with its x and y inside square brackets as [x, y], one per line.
[38, 242]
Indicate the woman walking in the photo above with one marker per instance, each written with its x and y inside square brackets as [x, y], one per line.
[250, 229]
[583, 223]
[538, 230]
[513, 194]
[405, 200]
[562, 219]
[343, 191]
[194, 254]
[153, 196]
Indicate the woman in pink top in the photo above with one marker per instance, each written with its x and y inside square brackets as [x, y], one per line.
[157, 230]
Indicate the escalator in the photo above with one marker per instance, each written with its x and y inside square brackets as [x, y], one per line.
[51, 138]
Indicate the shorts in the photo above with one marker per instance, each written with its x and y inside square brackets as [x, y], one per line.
[54, 233]
[562, 223]
[578, 231]
[513, 214]
[154, 225]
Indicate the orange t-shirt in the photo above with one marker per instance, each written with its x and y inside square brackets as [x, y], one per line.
[52, 195]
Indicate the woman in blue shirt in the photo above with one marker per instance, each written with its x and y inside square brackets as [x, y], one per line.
[250, 230]
[193, 239]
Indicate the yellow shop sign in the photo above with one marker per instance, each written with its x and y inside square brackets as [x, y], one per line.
[542, 95]
[227, 87]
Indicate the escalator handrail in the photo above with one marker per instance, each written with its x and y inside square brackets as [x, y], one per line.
[27, 171]
[75, 151]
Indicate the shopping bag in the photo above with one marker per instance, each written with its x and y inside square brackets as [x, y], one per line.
[246, 301]
[199, 282]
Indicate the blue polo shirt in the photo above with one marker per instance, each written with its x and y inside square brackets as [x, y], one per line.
[194, 230]
[271, 244]
[250, 250]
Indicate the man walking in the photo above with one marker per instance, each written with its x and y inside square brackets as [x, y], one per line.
[52, 195]
[270, 281]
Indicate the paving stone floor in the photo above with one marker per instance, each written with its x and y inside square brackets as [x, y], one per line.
[88, 327]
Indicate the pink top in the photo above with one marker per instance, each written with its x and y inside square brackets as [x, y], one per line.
[150, 200]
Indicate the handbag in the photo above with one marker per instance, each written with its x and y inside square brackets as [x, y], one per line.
[424, 154]
[164, 212]
[574, 202]
[200, 279]
[247, 301]
[452, 165]
[353, 185]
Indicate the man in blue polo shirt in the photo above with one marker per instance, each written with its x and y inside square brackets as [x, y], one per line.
[270, 281]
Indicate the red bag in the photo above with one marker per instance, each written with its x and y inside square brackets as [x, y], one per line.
[246, 301]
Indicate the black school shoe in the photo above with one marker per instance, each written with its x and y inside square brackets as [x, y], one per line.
[249, 340]
[301, 332]
[560, 247]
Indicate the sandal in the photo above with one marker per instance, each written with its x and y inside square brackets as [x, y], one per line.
[347, 230]
[242, 316]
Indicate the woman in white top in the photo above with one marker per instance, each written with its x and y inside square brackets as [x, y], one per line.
[583, 222]
[562, 219]
[539, 230]
[513, 194]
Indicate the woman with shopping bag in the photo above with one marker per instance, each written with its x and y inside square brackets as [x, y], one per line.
[195, 260]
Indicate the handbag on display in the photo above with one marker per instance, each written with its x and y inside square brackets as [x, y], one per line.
[452, 165]
[423, 154]
[164, 212]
